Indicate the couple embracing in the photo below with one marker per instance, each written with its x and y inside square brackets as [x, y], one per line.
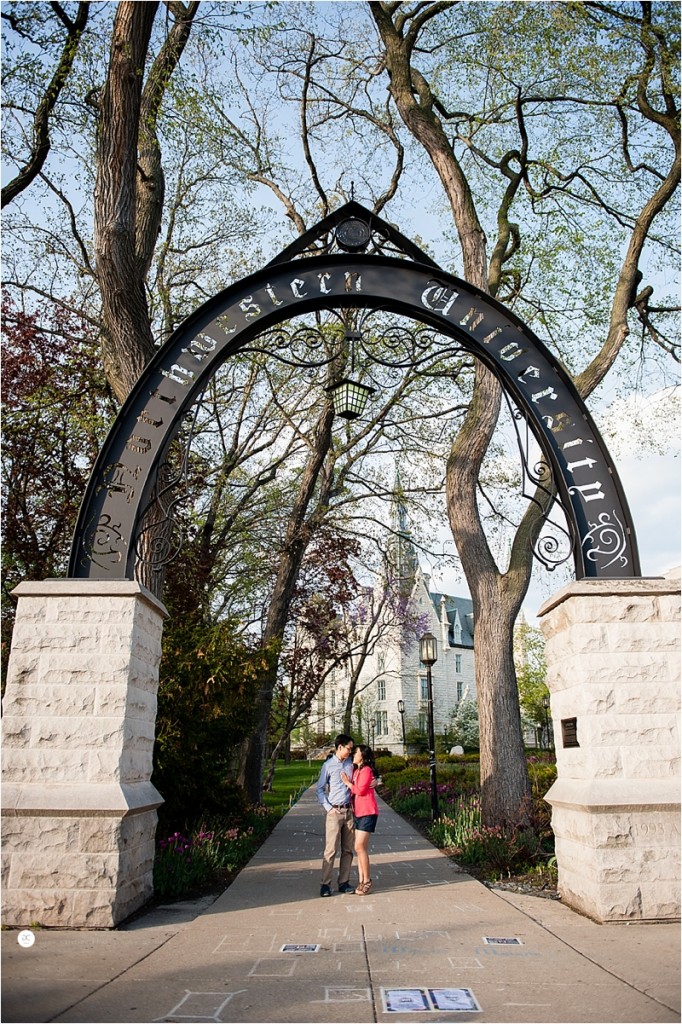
[346, 791]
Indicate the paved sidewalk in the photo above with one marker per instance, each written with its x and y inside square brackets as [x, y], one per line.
[419, 937]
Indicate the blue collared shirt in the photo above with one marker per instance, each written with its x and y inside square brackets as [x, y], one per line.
[330, 787]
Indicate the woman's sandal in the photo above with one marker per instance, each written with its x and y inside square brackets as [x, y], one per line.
[364, 888]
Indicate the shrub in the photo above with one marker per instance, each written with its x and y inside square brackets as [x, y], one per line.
[541, 776]
[390, 763]
[186, 861]
[207, 681]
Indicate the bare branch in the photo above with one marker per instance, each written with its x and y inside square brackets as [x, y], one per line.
[41, 121]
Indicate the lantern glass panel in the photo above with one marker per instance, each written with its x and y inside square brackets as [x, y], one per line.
[349, 398]
[428, 649]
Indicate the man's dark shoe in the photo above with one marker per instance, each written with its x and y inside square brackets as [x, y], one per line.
[346, 887]
[325, 890]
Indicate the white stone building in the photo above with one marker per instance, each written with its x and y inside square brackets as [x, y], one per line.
[393, 673]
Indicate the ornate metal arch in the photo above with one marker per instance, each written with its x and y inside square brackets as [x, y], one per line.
[363, 276]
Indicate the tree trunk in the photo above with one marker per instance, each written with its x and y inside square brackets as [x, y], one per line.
[129, 186]
[127, 341]
[293, 551]
[129, 194]
[504, 774]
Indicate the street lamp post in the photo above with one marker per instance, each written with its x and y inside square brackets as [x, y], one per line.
[428, 655]
[401, 712]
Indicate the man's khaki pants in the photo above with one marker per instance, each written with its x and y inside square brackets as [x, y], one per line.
[338, 826]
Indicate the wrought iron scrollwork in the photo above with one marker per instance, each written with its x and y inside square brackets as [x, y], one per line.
[161, 537]
[551, 543]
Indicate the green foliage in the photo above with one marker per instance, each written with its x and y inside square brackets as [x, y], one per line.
[289, 781]
[531, 672]
[505, 849]
[209, 853]
[464, 728]
[209, 676]
[541, 776]
[384, 765]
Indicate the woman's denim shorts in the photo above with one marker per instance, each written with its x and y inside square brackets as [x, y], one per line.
[367, 823]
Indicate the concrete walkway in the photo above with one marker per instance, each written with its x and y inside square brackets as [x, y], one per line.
[418, 941]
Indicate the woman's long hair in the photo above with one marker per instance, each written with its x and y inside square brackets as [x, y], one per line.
[367, 757]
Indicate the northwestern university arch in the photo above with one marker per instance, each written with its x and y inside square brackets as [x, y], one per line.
[79, 810]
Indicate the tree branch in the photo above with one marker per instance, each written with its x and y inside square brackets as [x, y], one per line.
[41, 120]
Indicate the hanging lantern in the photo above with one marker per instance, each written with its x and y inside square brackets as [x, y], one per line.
[349, 396]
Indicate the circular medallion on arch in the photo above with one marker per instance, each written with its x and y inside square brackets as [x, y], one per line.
[352, 235]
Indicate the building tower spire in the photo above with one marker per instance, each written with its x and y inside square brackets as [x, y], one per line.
[404, 551]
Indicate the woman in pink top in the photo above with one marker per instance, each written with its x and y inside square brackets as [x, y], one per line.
[365, 810]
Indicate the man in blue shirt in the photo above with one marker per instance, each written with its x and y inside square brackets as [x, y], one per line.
[334, 796]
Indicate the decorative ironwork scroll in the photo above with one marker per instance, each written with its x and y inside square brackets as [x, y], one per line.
[413, 286]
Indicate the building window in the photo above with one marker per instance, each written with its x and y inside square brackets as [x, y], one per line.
[381, 723]
[423, 688]
[333, 699]
[457, 633]
[458, 663]
[460, 689]
[421, 722]
[381, 661]
[381, 689]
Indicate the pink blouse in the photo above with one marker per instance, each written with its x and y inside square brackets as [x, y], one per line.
[364, 800]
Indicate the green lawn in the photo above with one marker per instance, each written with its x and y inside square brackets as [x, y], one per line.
[289, 781]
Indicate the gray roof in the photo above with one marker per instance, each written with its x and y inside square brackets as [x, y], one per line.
[465, 607]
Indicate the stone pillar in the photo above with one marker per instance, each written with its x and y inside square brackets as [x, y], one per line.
[79, 810]
[613, 671]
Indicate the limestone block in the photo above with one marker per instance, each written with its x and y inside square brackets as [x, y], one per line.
[22, 833]
[145, 647]
[5, 863]
[648, 667]
[33, 699]
[80, 800]
[137, 861]
[81, 668]
[649, 763]
[634, 901]
[584, 763]
[66, 871]
[23, 665]
[83, 733]
[121, 766]
[37, 765]
[97, 909]
[134, 833]
[143, 675]
[31, 906]
[16, 733]
[129, 700]
[98, 835]
[653, 866]
[621, 730]
[625, 699]
[614, 638]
